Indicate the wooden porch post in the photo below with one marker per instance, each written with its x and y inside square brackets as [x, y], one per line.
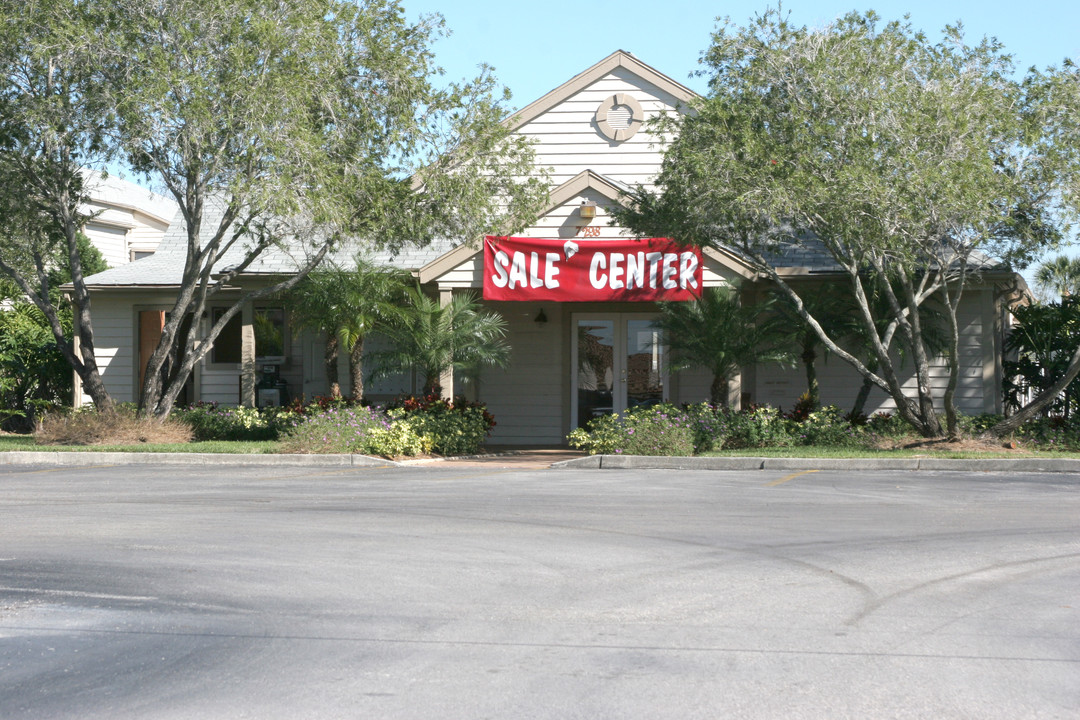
[446, 380]
[247, 355]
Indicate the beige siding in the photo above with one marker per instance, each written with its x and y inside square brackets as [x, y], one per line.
[221, 384]
[527, 398]
[840, 383]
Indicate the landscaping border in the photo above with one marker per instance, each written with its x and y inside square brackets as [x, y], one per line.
[89, 458]
[640, 462]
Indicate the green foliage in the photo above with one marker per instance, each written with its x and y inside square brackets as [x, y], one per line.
[347, 304]
[656, 430]
[755, 427]
[701, 428]
[34, 376]
[433, 339]
[210, 421]
[888, 425]
[828, 426]
[978, 424]
[1042, 343]
[899, 157]
[1058, 277]
[405, 436]
[455, 427]
[340, 430]
[715, 331]
[447, 431]
[1055, 433]
[416, 425]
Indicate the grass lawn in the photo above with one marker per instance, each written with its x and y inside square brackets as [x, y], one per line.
[25, 442]
[847, 452]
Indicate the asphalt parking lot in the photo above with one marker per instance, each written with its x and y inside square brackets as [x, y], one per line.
[448, 591]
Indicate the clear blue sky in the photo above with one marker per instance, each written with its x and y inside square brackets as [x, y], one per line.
[536, 46]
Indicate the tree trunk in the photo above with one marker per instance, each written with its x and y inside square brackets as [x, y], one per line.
[356, 369]
[330, 358]
[813, 390]
[718, 391]
[860, 400]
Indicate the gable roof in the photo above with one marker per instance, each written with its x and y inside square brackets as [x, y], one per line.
[617, 59]
[115, 191]
[584, 180]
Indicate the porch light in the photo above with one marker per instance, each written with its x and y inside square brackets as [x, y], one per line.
[587, 209]
[541, 318]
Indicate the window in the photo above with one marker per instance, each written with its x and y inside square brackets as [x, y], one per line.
[227, 346]
[269, 326]
[140, 254]
[269, 334]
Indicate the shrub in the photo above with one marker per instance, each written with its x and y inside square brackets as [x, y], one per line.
[828, 426]
[35, 379]
[120, 427]
[757, 427]
[210, 421]
[339, 430]
[1051, 433]
[710, 424]
[400, 438]
[888, 425]
[453, 427]
[656, 430]
[978, 424]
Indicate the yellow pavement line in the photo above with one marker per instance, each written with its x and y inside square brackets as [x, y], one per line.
[788, 478]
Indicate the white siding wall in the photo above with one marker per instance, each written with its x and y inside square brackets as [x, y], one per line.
[147, 233]
[116, 231]
[110, 240]
[569, 140]
[116, 345]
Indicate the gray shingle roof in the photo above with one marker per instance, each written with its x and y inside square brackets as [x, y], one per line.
[166, 266]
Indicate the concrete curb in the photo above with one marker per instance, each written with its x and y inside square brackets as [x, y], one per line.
[67, 459]
[595, 462]
[639, 462]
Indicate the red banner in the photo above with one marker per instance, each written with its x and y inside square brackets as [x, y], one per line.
[590, 270]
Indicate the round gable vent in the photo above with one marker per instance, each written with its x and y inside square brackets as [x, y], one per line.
[619, 117]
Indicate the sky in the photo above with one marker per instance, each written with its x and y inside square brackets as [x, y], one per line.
[535, 47]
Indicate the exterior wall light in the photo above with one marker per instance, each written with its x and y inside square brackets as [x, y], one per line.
[541, 318]
[587, 209]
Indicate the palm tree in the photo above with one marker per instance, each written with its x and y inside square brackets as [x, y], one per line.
[835, 310]
[1059, 276]
[716, 332]
[347, 305]
[433, 339]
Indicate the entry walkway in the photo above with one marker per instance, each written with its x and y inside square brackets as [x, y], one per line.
[510, 457]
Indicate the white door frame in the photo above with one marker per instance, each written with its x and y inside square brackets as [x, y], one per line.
[619, 322]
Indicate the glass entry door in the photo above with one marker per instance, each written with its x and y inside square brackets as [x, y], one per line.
[617, 363]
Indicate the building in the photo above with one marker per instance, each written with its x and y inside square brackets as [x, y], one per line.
[127, 222]
[573, 357]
